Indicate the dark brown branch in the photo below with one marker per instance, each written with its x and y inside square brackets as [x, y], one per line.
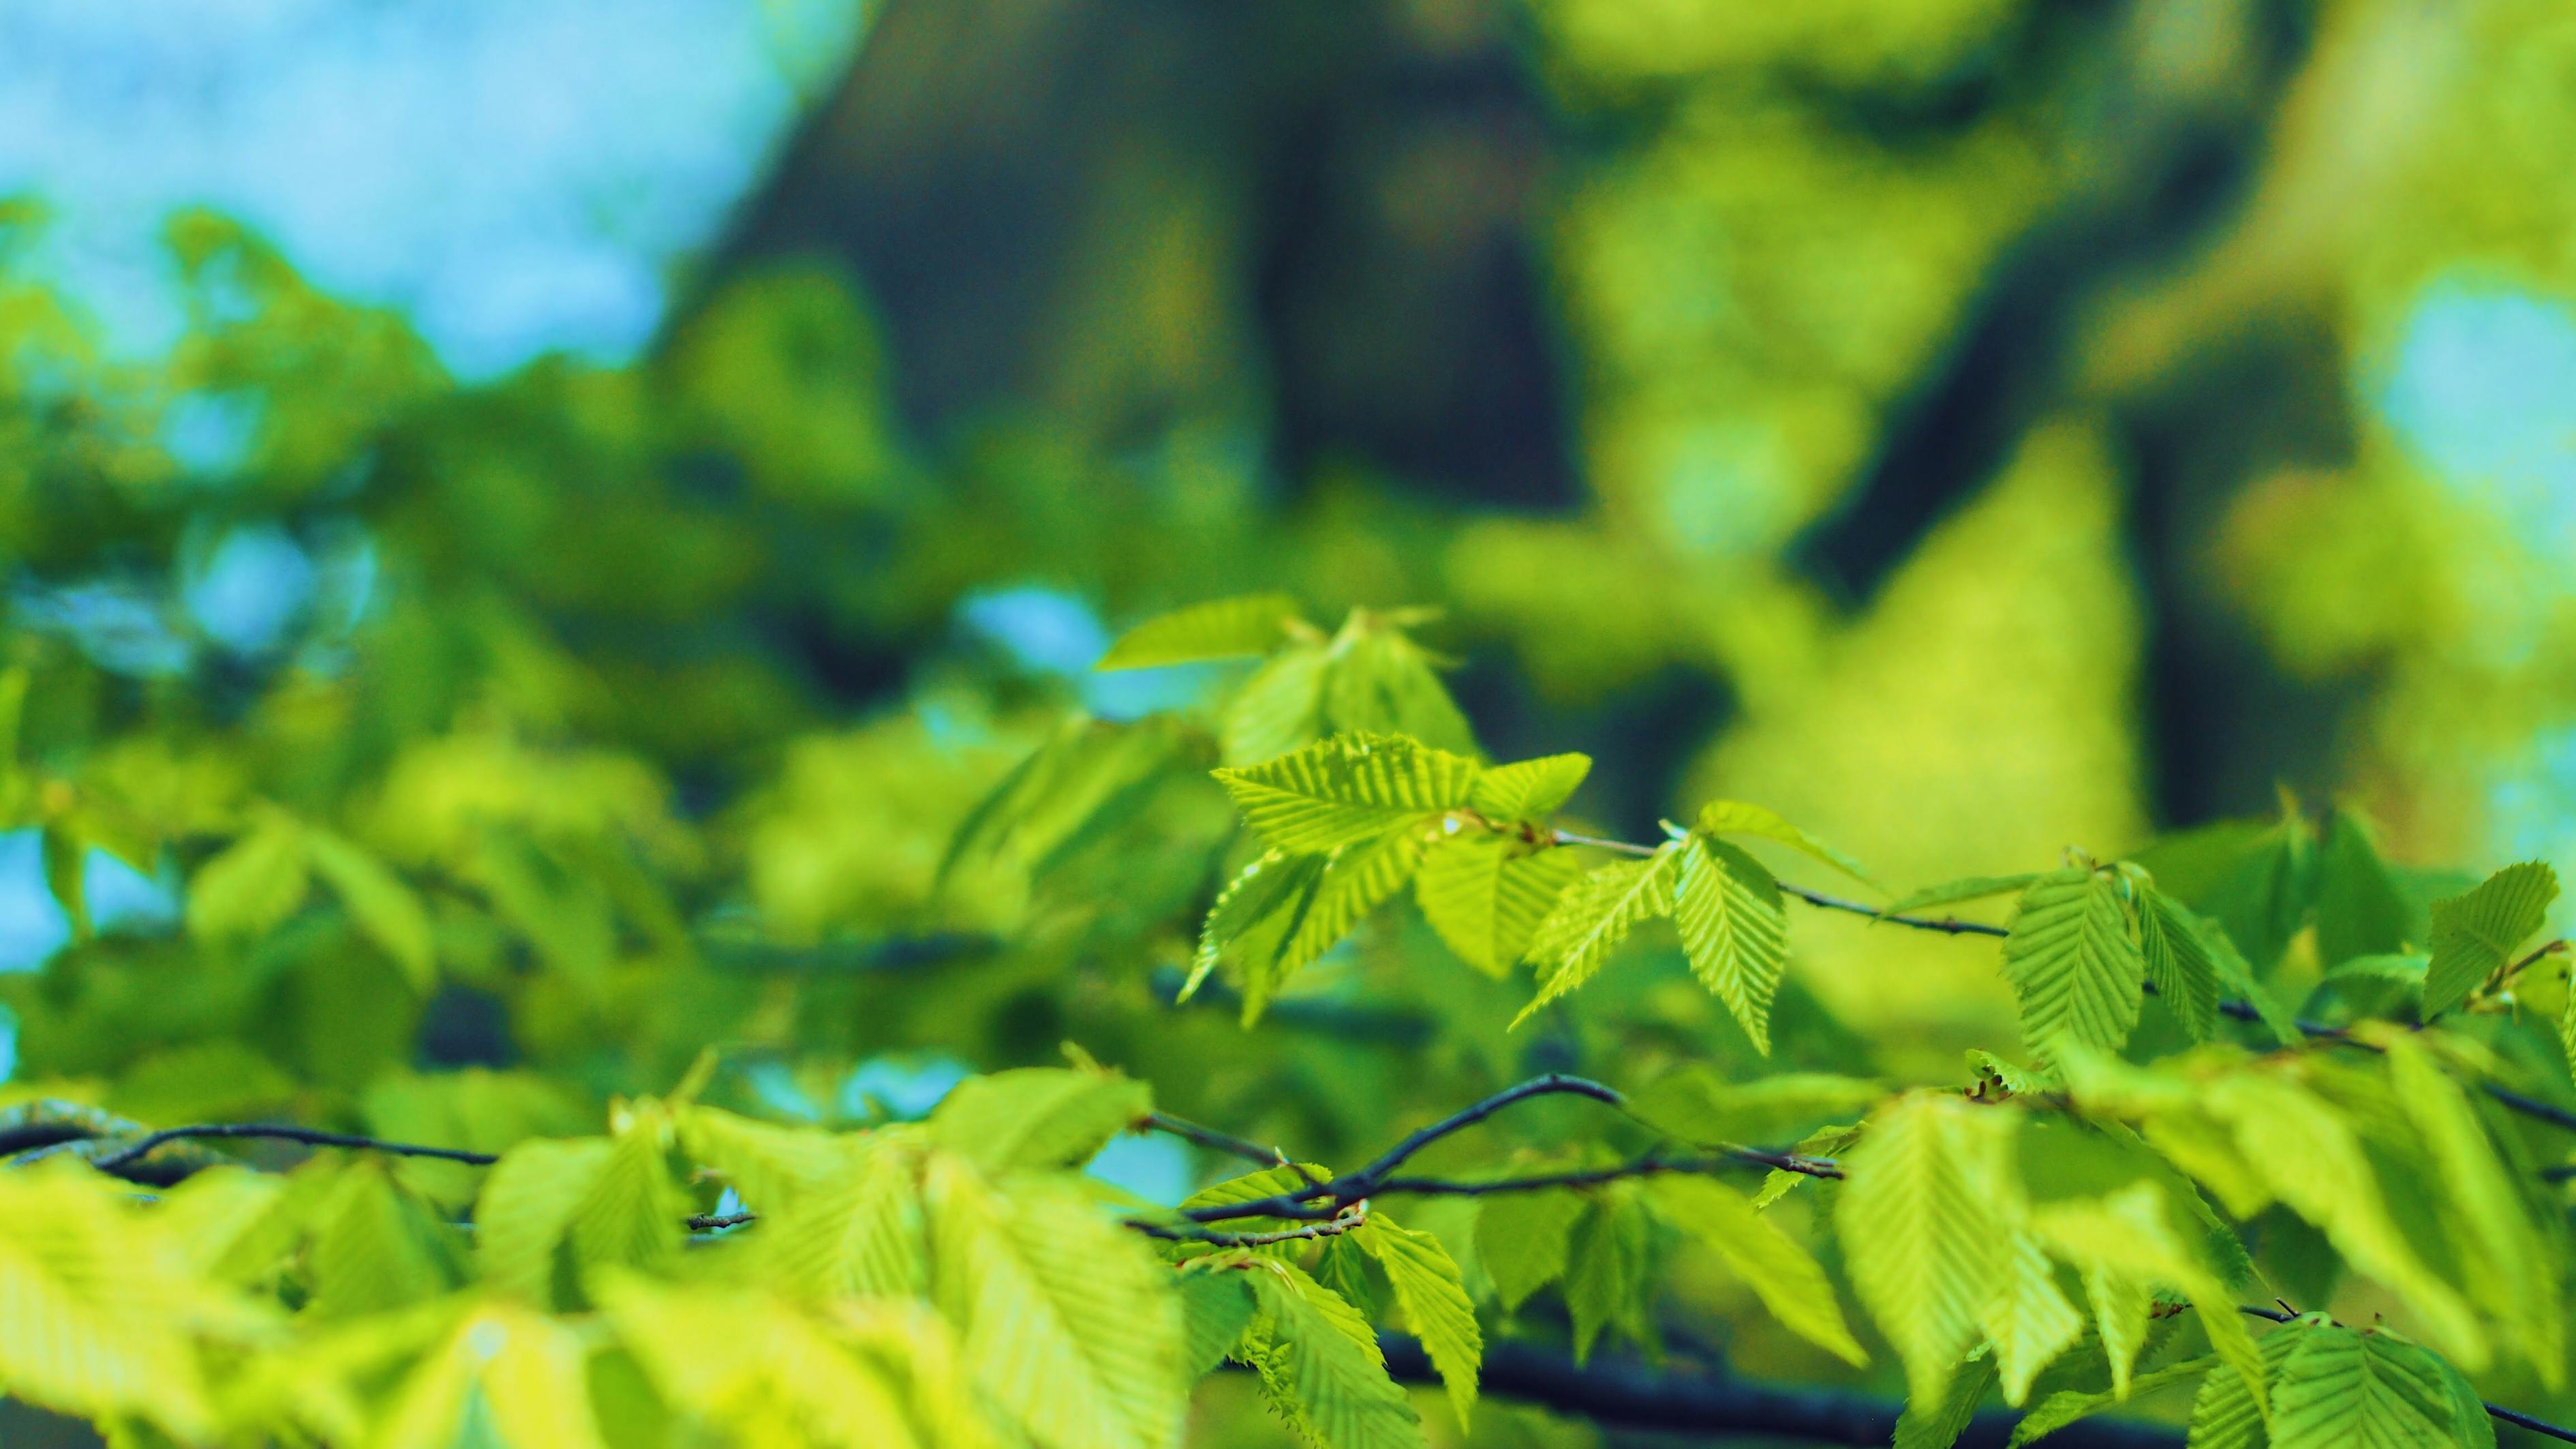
[1623, 1395]
[1348, 1188]
[1356, 1216]
[1642, 1167]
[143, 1146]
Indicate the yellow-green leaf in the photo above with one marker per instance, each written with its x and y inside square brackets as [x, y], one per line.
[2474, 935]
[1781, 1273]
[1218, 629]
[1733, 929]
[1345, 790]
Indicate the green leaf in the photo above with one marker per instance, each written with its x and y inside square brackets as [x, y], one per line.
[1920, 1194]
[1067, 1322]
[1593, 916]
[1216, 1306]
[1381, 682]
[385, 908]
[2180, 963]
[526, 1210]
[2185, 932]
[1329, 1371]
[94, 1326]
[253, 885]
[2255, 878]
[1263, 892]
[502, 1375]
[856, 1232]
[2226, 1414]
[1605, 1270]
[2516, 1273]
[2474, 935]
[1698, 1106]
[1523, 1238]
[1938, 1423]
[2070, 958]
[1783, 1274]
[1356, 880]
[1037, 1116]
[2125, 1244]
[2360, 908]
[1280, 708]
[1347, 790]
[768, 1165]
[2027, 1318]
[1432, 1294]
[1485, 893]
[2343, 1387]
[1528, 789]
[2064, 1408]
[1733, 929]
[1951, 893]
[377, 1248]
[631, 1217]
[1087, 777]
[1218, 629]
[1735, 817]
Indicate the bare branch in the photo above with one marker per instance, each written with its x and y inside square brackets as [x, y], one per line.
[143, 1146]
[1355, 1216]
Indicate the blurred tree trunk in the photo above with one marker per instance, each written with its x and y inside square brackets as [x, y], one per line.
[1311, 215]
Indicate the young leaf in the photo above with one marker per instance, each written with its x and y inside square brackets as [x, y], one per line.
[1218, 629]
[253, 885]
[631, 1216]
[1733, 929]
[1605, 1270]
[1951, 893]
[2125, 1246]
[1823, 1142]
[2180, 963]
[1434, 1298]
[1594, 916]
[385, 908]
[1067, 1322]
[377, 1248]
[2340, 1386]
[1485, 893]
[503, 1375]
[2474, 935]
[1528, 789]
[2361, 910]
[1381, 682]
[2071, 960]
[1037, 1116]
[856, 1233]
[1920, 1192]
[1330, 1366]
[1356, 880]
[1280, 708]
[1345, 790]
[1522, 1239]
[1783, 1274]
[1216, 1306]
[2065, 1407]
[526, 1210]
[2226, 1414]
[1735, 817]
[1938, 1423]
[2027, 1318]
[1268, 891]
[1697, 1105]
[2515, 1272]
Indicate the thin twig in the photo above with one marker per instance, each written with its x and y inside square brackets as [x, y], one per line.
[144, 1146]
[1341, 1191]
[1214, 1140]
[1356, 1216]
[711, 1223]
[1647, 1166]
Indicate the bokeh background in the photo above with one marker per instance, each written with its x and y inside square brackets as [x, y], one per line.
[1972, 427]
